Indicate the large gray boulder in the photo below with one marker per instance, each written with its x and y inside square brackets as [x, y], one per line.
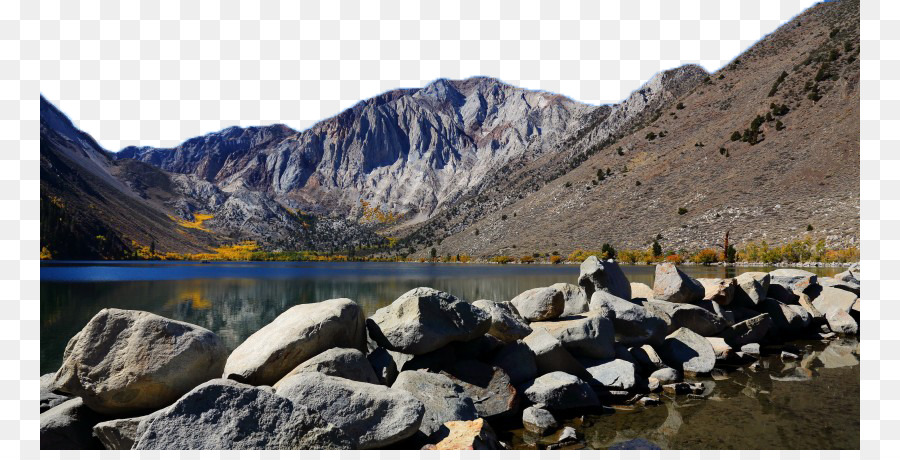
[720, 291]
[425, 319]
[550, 355]
[348, 363]
[575, 299]
[850, 285]
[786, 318]
[301, 332]
[601, 275]
[785, 284]
[589, 334]
[126, 361]
[540, 304]
[373, 415]
[672, 285]
[559, 391]
[700, 320]
[518, 361]
[226, 415]
[752, 330]
[444, 400]
[836, 305]
[688, 351]
[613, 374]
[506, 323]
[752, 288]
[842, 322]
[68, 426]
[489, 387]
[634, 324]
[48, 395]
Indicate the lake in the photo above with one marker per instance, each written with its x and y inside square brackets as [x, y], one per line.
[809, 404]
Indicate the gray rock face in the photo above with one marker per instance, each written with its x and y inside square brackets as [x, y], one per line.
[538, 420]
[444, 400]
[688, 351]
[539, 304]
[641, 291]
[752, 330]
[575, 300]
[68, 426]
[697, 319]
[589, 334]
[489, 387]
[223, 414]
[752, 288]
[348, 363]
[301, 332]
[126, 361]
[634, 324]
[49, 398]
[558, 391]
[672, 285]
[616, 374]
[551, 356]
[506, 323]
[720, 291]
[518, 361]
[425, 319]
[601, 275]
[373, 415]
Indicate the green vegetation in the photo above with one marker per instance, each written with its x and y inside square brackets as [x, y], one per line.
[735, 136]
[778, 82]
[682, 211]
[650, 136]
[680, 106]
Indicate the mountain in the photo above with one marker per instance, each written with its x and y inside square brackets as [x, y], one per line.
[480, 167]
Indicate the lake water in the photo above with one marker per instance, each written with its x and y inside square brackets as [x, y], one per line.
[813, 405]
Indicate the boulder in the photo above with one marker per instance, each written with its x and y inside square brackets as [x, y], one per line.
[301, 332]
[373, 415]
[614, 374]
[559, 391]
[647, 358]
[425, 319]
[384, 365]
[693, 317]
[792, 279]
[672, 285]
[538, 420]
[539, 304]
[348, 363]
[126, 361]
[641, 291]
[718, 290]
[751, 349]
[121, 434]
[842, 322]
[575, 299]
[633, 324]
[602, 275]
[816, 317]
[551, 356]
[518, 361]
[836, 305]
[748, 331]
[68, 426]
[444, 400]
[465, 435]
[589, 334]
[851, 274]
[506, 323]
[226, 415]
[489, 387]
[786, 318]
[752, 288]
[49, 398]
[720, 348]
[666, 375]
[688, 351]
[850, 285]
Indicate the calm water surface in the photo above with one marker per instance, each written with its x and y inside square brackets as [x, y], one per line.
[810, 405]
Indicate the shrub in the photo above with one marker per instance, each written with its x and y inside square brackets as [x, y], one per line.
[526, 259]
[503, 217]
[735, 136]
[779, 125]
[637, 182]
[706, 257]
[680, 106]
[809, 227]
[503, 260]
[656, 249]
[620, 151]
[568, 184]
[608, 251]
[682, 211]
[555, 259]
[674, 258]
[650, 136]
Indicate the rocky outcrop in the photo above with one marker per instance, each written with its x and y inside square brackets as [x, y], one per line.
[672, 285]
[601, 275]
[348, 363]
[126, 361]
[539, 304]
[558, 391]
[425, 319]
[589, 334]
[301, 332]
[634, 324]
[688, 351]
[444, 400]
[506, 323]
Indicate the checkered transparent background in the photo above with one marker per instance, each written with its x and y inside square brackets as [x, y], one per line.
[153, 73]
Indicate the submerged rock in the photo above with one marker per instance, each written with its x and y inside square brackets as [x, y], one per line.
[506, 323]
[540, 304]
[444, 400]
[601, 275]
[558, 391]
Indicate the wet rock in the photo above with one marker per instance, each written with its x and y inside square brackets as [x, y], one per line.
[372, 415]
[684, 388]
[601, 275]
[788, 356]
[518, 361]
[567, 436]
[575, 299]
[424, 319]
[539, 304]
[227, 415]
[551, 356]
[672, 285]
[49, 398]
[444, 400]
[838, 354]
[688, 351]
[697, 319]
[126, 361]
[640, 291]
[489, 387]
[718, 290]
[633, 324]
[465, 435]
[301, 332]
[752, 288]
[506, 323]
[748, 331]
[589, 334]
[647, 358]
[348, 363]
[538, 420]
[68, 426]
[558, 391]
[722, 350]
[666, 375]
[616, 374]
